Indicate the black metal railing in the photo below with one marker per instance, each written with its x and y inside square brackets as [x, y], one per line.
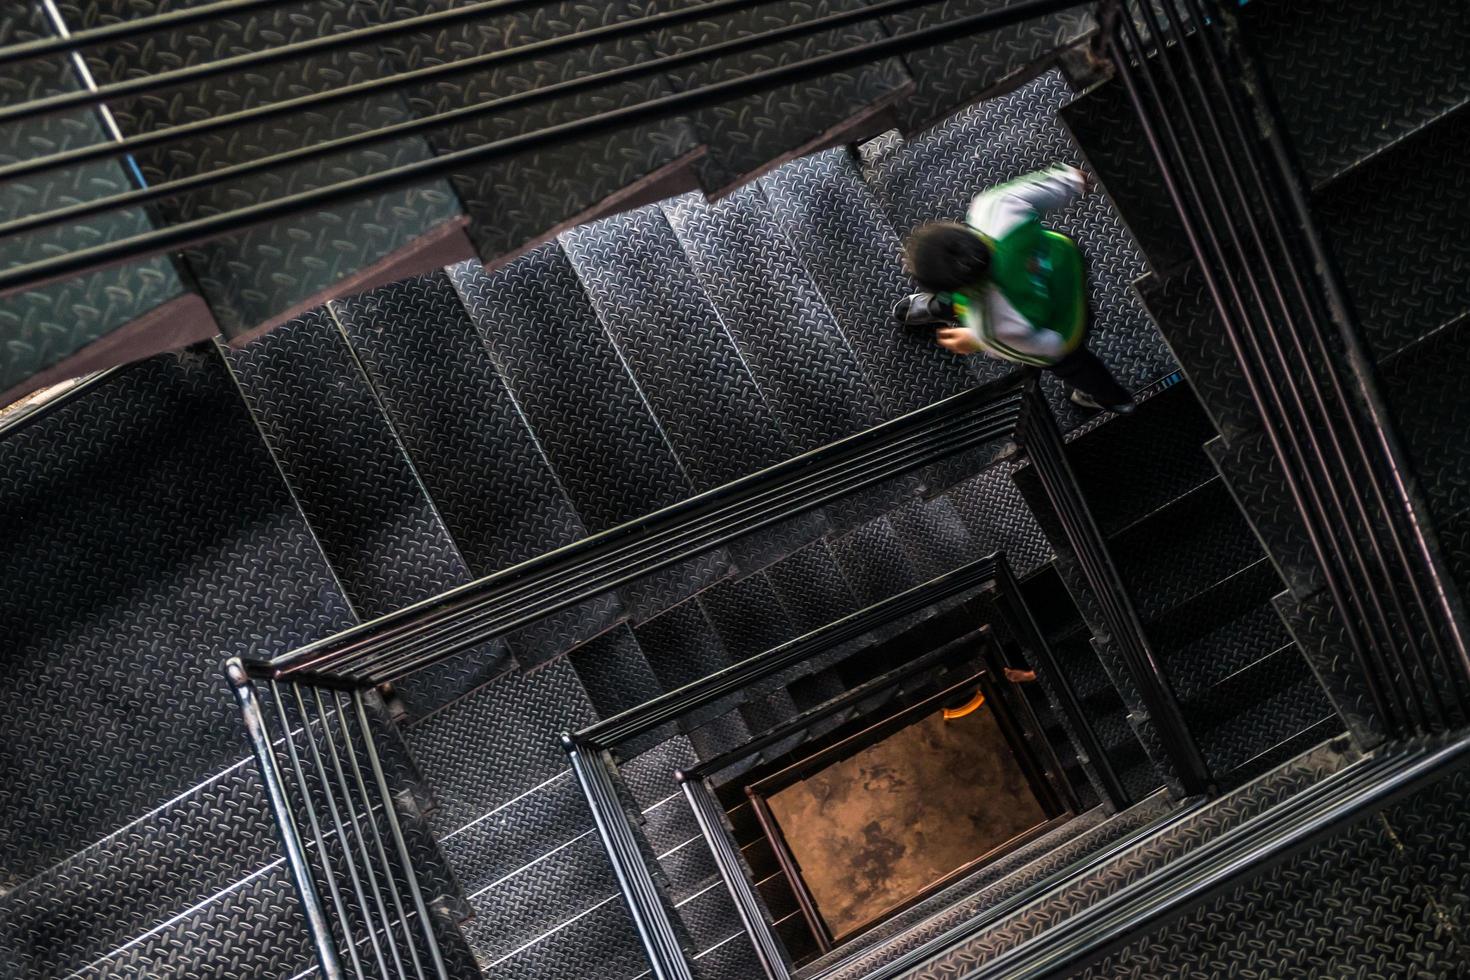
[420, 635]
[1243, 210]
[591, 749]
[326, 684]
[43, 270]
[343, 834]
[1039, 436]
[912, 679]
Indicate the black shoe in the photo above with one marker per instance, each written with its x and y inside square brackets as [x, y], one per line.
[920, 310]
[1082, 400]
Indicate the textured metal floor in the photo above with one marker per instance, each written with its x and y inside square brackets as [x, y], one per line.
[1221, 815]
[150, 536]
[1388, 897]
[427, 433]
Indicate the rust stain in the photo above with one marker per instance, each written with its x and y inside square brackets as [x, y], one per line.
[877, 828]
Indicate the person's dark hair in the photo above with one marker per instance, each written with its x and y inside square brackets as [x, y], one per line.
[946, 256]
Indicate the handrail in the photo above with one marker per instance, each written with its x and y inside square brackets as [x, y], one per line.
[651, 918]
[1382, 579]
[1016, 614]
[418, 123]
[275, 786]
[675, 704]
[196, 231]
[1249, 850]
[464, 617]
[132, 27]
[707, 814]
[1037, 433]
[357, 839]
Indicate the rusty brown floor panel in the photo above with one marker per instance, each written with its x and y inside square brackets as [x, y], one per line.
[877, 829]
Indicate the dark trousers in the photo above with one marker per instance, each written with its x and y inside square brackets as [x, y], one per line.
[1082, 370]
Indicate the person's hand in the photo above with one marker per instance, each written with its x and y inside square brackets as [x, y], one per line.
[958, 340]
[1020, 676]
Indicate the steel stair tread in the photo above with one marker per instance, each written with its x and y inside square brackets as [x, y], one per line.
[1174, 839]
[1351, 86]
[127, 595]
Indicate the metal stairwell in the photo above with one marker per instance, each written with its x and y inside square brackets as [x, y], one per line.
[1205, 604]
[484, 487]
[124, 706]
[335, 372]
[1343, 420]
[207, 124]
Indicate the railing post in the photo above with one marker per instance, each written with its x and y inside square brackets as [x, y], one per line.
[1287, 322]
[1042, 440]
[727, 859]
[651, 919]
[1016, 615]
[260, 743]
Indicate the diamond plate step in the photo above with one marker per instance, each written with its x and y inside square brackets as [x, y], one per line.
[617, 676]
[1252, 472]
[599, 941]
[1175, 839]
[512, 822]
[934, 537]
[589, 414]
[1257, 707]
[991, 507]
[1225, 628]
[1389, 222]
[136, 878]
[361, 493]
[265, 275]
[149, 536]
[470, 446]
[733, 958]
[794, 347]
[1314, 624]
[648, 296]
[1131, 467]
[749, 618]
[1410, 851]
[1183, 549]
[959, 72]
[1103, 124]
[683, 646]
[252, 929]
[853, 256]
[745, 135]
[1353, 82]
[1202, 587]
[1189, 323]
[527, 198]
[204, 852]
[520, 715]
[874, 561]
[698, 385]
[346, 467]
